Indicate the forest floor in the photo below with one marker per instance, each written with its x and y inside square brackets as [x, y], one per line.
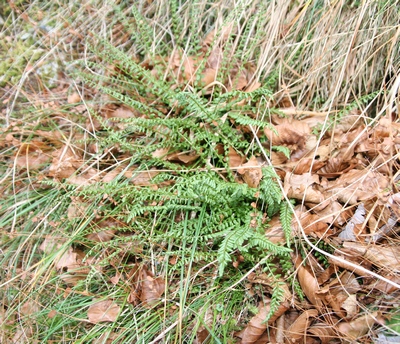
[187, 172]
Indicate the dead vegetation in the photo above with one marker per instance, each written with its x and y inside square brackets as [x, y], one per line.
[111, 176]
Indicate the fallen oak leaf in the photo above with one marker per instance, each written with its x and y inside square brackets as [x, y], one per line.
[65, 163]
[385, 287]
[31, 160]
[73, 98]
[71, 259]
[307, 165]
[223, 33]
[354, 225]
[160, 153]
[141, 178]
[101, 236]
[311, 223]
[185, 157]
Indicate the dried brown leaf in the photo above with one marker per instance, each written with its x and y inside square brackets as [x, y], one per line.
[185, 157]
[292, 134]
[238, 82]
[77, 208]
[335, 167]
[111, 175]
[107, 337]
[253, 86]
[354, 225]
[103, 311]
[358, 327]
[73, 279]
[359, 185]
[202, 333]
[65, 163]
[189, 66]
[274, 231]
[209, 76]
[308, 282]
[102, 236]
[351, 306]
[353, 257]
[145, 287]
[325, 332]
[384, 129]
[278, 158]
[142, 178]
[28, 308]
[160, 153]
[24, 336]
[74, 98]
[298, 329]
[251, 173]
[223, 32]
[32, 160]
[384, 257]
[123, 112]
[300, 187]
[351, 121]
[215, 58]
[71, 259]
[334, 213]
[152, 288]
[256, 327]
[311, 223]
[235, 159]
[50, 244]
[385, 287]
[89, 177]
[307, 164]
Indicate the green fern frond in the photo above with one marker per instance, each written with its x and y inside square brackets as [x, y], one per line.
[113, 55]
[277, 298]
[286, 215]
[258, 240]
[245, 120]
[282, 149]
[233, 240]
[270, 191]
[91, 80]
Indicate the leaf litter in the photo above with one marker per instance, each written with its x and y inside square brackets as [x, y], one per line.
[344, 185]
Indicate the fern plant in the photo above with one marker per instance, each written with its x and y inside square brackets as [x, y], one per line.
[229, 223]
[200, 211]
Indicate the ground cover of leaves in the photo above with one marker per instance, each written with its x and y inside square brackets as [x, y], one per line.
[344, 182]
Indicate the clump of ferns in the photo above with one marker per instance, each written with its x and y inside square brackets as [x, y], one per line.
[202, 209]
[173, 118]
